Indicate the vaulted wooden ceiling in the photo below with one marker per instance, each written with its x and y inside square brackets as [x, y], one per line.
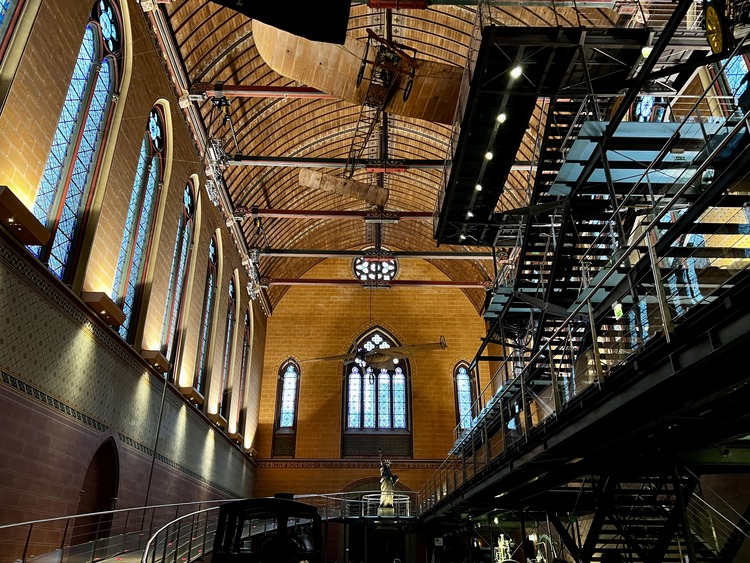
[216, 44]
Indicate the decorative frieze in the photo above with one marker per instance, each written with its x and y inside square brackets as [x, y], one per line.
[48, 400]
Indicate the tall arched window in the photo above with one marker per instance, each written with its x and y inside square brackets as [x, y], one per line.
[204, 338]
[376, 400]
[735, 72]
[65, 192]
[227, 358]
[244, 368]
[137, 235]
[10, 10]
[287, 401]
[466, 394]
[178, 274]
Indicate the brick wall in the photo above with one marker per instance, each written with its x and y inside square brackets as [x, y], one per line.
[316, 321]
[69, 383]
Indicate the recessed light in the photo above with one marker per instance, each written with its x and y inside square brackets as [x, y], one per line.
[516, 71]
[501, 117]
[478, 187]
[488, 155]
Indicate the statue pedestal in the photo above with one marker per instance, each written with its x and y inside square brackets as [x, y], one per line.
[386, 511]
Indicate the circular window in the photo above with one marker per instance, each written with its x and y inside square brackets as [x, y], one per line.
[375, 268]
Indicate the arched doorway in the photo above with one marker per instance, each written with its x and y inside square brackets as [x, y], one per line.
[98, 494]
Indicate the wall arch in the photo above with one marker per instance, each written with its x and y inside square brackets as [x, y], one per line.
[98, 493]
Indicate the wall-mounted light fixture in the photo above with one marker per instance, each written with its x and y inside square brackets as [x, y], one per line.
[217, 419]
[104, 307]
[19, 221]
[156, 359]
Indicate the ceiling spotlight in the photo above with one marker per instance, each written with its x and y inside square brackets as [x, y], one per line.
[488, 155]
[395, 360]
[469, 215]
[478, 187]
[646, 51]
[516, 71]
[501, 117]
[462, 236]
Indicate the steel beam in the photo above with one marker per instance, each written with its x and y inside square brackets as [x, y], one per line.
[370, 165]
[305, 162]
[368, 216]
[269, 282]
[316, 253]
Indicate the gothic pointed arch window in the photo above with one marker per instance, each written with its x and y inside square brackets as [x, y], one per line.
[137, 236]
[377, 401]
[736, 73]
[178, 274]
[65, 193]
[17, 18]
[10, 11]
[227, 356]
[287, 403]
[465, 386]
[204, 337]
[244, 371]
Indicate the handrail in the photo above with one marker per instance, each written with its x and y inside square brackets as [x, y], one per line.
[154, 537]
[666, 147]
[108, 512]
[89, 536]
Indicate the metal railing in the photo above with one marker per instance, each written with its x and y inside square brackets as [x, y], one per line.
[166, 533]
[183, 539]
[191, 535]
[512, 404]
[710, 526]
[355, 504]
[89, 537]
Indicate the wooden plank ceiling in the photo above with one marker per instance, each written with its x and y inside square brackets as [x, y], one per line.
[217, 44]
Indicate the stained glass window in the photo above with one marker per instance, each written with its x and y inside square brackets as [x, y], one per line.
[369, 403]
[384, 399]
[735, 71]
[209, 298]
[355, 398]
[376, 397]
[464, 396]
[242, 409]
[64, 193]
[178, 273]
[9, 10]
[228, 339]
[375, 268]
[137, 234]
[399, 399]
[288, 402]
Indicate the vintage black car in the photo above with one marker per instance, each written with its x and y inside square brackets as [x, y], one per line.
[268, 530]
